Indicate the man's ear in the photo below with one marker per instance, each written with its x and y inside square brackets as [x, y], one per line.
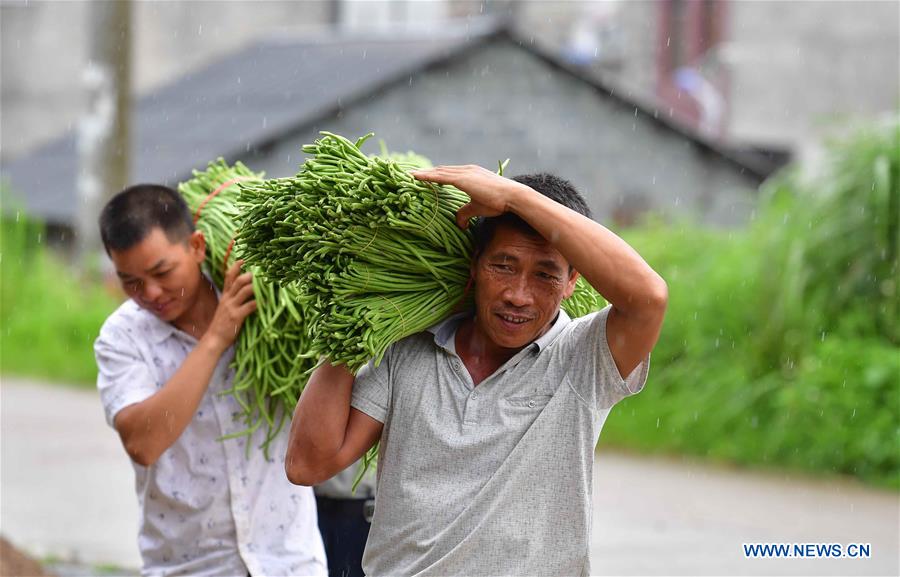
[570, 284]
[197, 246]
[473, 265]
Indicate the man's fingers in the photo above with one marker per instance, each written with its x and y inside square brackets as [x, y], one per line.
[246, 309]
[463, 215]
[232, 274]
[244, 293]
[427, 175]
[438, 174]
[238, 283]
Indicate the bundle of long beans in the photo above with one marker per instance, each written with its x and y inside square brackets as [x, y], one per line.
[271, 353]
[376, 254]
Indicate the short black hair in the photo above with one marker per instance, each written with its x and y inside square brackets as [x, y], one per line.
[553, 187]
[130, 215]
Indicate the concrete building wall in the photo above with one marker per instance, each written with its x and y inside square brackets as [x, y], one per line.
[44, 46]
[622, 34]
[792, 69]
[501, 101]
[797, 68]
[44, 49]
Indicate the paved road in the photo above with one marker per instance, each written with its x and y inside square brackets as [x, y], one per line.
[67, 492]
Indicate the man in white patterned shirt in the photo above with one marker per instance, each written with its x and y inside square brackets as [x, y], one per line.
[163, 360]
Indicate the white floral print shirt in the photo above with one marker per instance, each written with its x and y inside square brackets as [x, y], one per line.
[205, 507]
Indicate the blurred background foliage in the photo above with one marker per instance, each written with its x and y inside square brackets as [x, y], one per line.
[781, 345]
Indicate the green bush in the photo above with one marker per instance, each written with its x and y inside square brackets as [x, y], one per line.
[780, 345]
[49, 317]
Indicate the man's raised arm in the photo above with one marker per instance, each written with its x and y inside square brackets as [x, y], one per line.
[637, 293]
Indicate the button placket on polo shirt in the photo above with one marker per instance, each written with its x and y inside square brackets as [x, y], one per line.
[470, 410]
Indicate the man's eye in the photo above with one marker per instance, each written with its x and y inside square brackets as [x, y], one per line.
[502, 267]
[547, 276]
[163, 273]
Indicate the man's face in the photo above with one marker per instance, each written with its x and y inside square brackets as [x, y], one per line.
[520, 280]
[160, 275]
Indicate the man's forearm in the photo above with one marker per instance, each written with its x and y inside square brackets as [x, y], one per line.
[320, 419]
[150, 427]
[606, 261]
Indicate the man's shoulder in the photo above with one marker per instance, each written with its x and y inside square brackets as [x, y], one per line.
[410, 349]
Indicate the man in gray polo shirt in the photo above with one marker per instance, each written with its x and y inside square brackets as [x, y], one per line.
[488, 421]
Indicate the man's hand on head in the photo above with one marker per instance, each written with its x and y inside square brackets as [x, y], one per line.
[491, 193]
[236, 304]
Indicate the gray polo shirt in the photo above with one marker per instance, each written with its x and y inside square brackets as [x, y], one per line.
[493, 479]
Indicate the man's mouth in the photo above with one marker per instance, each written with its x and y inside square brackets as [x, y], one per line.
[513, 319]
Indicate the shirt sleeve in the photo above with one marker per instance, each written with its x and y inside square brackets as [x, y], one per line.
[372, 389]
[123, 377]
[593, 372]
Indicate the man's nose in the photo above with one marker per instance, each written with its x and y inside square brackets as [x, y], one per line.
[518, 292]
[152, 291]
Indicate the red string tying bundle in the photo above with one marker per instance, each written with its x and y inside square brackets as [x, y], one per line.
[213, 194]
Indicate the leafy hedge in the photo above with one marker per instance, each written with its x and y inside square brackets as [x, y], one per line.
[49, 318]
[781, 343]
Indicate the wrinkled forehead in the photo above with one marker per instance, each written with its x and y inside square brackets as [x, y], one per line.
[510, 243]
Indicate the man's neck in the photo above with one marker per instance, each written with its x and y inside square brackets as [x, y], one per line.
[481, 356]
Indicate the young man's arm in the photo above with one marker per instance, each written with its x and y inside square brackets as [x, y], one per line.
[327, 434]
[637, 293]
[151, 426]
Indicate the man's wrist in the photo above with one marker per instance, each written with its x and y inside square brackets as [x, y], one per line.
[212, 344]
[521, 198]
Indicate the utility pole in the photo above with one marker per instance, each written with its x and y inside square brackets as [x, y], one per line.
[104, 143]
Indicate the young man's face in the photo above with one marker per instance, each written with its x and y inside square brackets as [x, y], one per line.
[160, 275]
[520, 280]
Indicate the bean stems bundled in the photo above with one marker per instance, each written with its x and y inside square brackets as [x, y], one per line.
[408, 160]
[375, 253]
[271, 352]
[584, 300]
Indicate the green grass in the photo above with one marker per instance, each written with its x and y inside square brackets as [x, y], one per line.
[49, 318]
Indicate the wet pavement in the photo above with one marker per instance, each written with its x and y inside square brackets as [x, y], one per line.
[68, 498]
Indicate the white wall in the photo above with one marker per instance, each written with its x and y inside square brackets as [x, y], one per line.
[44, 47]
